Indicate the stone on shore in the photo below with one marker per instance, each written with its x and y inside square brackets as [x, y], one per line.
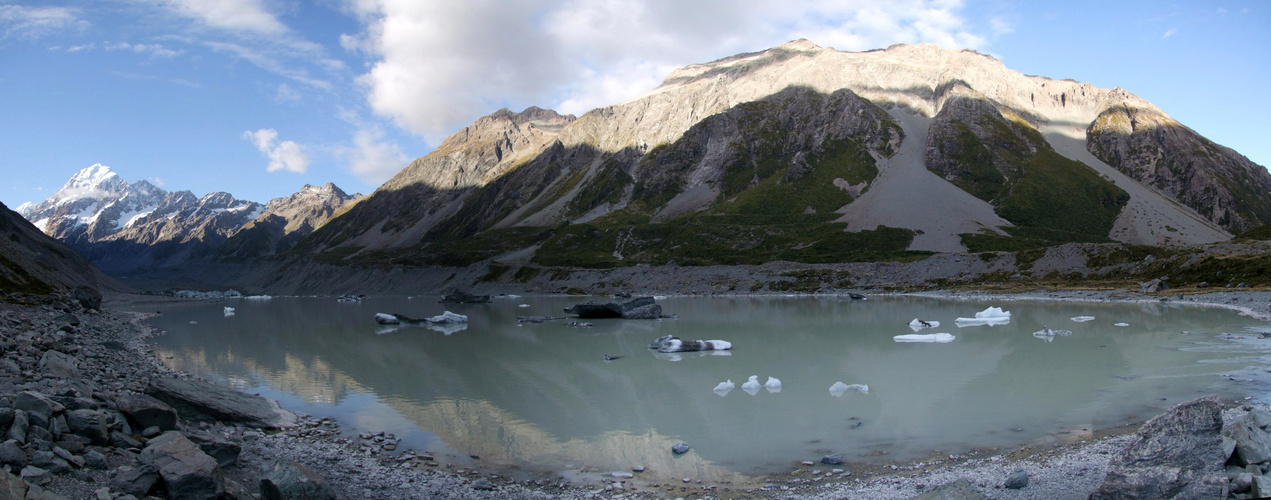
[962, 489]
[835, 459]
[135, 481]
[286, 479]
[187, 472]
[203, 400]
[57, 365]
[146, 411]
[90, 424]
[11, 486]
[17, 430]
[1151, 286]
[11, 453]
[1017, 480]
[1177, 454]
[679, 448]
[1252, 441]
[87, 297]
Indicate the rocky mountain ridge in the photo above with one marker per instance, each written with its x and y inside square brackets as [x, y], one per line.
[127, 229]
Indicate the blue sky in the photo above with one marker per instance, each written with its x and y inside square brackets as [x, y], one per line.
[258, 97]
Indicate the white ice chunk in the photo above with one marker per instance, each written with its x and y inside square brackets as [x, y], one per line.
[258, 297]
[864, 389]
[1048, 332]
[992, 316]
[751, 386]
[838, 389]
[229, 310]
[933, 337]
[448, 317]
[523, 305]
[918, 324]
[1083, 319]
[1120, 324]
[386, 319]
[772, 385]
[724, 387]
[659, 297]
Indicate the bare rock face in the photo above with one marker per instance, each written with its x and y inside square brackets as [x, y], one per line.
[1154, 149]
[209, 401]
[1177, 454]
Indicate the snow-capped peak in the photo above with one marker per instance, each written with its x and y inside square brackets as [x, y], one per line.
[97, 181]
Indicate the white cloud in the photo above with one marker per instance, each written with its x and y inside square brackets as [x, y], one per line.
[371, 158]
[157, 181]
[268, 62]
[1001, 26]
[151, 49]
[29, 23]
[1169, 33]
[285, 155]
[439, 64]
[245, 16]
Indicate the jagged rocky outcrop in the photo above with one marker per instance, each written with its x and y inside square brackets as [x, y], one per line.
[1148, 145]
[34, 263]
[285, 221]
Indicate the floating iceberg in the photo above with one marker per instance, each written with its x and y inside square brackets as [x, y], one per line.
[918, 324]
[668, 343]
[1120, 324]
[229, 310]
[1046, 332]
[523, 305]
[258, 297]
[992, 316]
[724, 387]
[448, 317]
[933, 337]
[751, 386]
[772, 385]
[386, 319]
[1083, 319]
[839, 388]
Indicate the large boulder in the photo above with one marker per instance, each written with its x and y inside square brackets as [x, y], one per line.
[19, 427]
[88, 297]
[1152, 286]
[58, 365]
[11, 486]
[90, 424]
[286, 479]
[37, 405]
[207, 401]
[146, 411]
[135, 481]
[637, 308]
[1252, 441]
[1177, 454]
[187, 472]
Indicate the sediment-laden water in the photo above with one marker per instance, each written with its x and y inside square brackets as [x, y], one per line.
[542, 396]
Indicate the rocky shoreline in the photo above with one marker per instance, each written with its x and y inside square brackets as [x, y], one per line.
[83, 399]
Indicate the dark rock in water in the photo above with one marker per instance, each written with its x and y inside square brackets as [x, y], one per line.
[208, 401]
[90, 424]
[483, 484]
[537, 319]
[1017, 480]
[835, 459]
[679, 448]
[286, 479]
[1177, 454]
[961, 489]
[88, 297]
[187, 472]
[462, 297]
[856, 296]
[637, 308]
[11, 453]
[135, 481]
[1252, 443]
[146, 411]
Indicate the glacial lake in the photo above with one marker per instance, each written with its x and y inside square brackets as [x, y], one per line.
[541, 397]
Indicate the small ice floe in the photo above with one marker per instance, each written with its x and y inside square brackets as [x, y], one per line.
[194, 322]
[992, 316]
[258, 297]
[387, 319]
[229, 311]
[918, 324]
[669, 343]
[1082, 319]
[724, 387]
[933, 337]
[448, 317]
[1047, 333]
[523, 305]
[839, 388]
[772, 385]
[752, 385]
[348, 297]
[1120, 324]
[659, 297]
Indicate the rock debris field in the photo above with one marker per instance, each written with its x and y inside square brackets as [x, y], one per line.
[87, 411]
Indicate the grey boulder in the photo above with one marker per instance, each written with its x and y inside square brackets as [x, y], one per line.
[1252, 441]
[1177, 454]
[1017, 480]
[11, 453]
[286, 479]
[135, 481]
[146, 411]
[637, 308]
[187, 472]
[58, 365]
[90, 424]
[208, 401]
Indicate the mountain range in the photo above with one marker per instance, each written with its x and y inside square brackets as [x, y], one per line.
[796, 153]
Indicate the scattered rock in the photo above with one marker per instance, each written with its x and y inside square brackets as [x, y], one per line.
[483, 484]
[90, 424]
[962, 489]
[835, 459]
[679, 448]
[213, 402]
[1152, 286]
[135, 481]
[87, 297]
[1017, 480]
[462, 297]
[146, 411]
[187, 472]
[286, 479]
[1252, 442]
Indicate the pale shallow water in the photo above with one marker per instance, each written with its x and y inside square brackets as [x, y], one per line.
[541, 397]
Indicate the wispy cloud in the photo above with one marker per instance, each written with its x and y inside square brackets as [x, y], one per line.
[285, 155]
[29, 23]
[269, 62]
[1169, 33]
[242, 16]
[141, 76]
[371, 158]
